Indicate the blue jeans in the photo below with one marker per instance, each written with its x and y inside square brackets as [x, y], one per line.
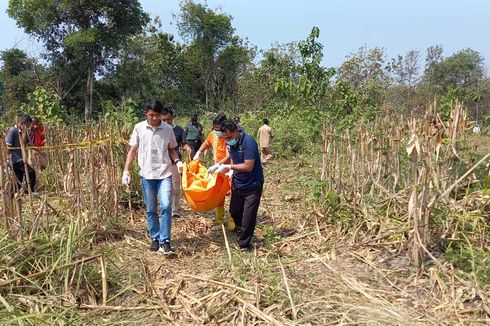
[161, 189]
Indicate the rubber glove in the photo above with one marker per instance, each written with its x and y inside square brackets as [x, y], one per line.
[180, 166]
[213, 168]
[126, 178]
[196, 156]
[230, 173]
[223, 168]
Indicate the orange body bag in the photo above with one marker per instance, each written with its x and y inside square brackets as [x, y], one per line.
[203, 192]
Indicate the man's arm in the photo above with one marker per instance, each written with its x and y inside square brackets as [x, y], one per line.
[174, 156]
[130, 157]
[225, 159]
[246, 166]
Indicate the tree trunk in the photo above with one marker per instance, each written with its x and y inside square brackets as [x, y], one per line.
[89, 90]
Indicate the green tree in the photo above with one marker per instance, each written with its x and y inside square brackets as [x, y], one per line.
[209, 33]
[88, 32]
[20, 75]
[464, 70]
[153, 64]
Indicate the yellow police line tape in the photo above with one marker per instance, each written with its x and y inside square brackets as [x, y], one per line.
[83, 144]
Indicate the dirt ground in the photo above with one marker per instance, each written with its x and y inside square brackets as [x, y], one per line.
[302, 270]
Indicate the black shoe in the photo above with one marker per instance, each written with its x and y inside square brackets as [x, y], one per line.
[246, 249]
[155, 246]
[166, 249]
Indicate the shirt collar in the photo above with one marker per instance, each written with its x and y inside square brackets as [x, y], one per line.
[147, 125]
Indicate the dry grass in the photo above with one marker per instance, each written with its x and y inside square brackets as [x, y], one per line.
[333, 252]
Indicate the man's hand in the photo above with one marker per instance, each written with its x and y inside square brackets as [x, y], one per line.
[196, 156]
[213, 168]
[180, 166]
[223, 168]
[126, 178]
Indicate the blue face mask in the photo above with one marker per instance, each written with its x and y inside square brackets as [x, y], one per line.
[231, 142]
[218, 133]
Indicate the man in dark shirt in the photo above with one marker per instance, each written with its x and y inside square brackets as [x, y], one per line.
[248, 180]
[180, 137]
[15, 135]
[194, 134]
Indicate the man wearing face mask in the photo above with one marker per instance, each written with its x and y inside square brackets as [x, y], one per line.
[248, 180]
[218, 145]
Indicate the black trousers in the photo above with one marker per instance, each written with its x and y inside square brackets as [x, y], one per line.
[194, 145]
[19, 171]
[244, 205]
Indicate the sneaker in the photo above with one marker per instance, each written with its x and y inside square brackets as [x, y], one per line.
[176, 215]
[155, 246]
[166, 249]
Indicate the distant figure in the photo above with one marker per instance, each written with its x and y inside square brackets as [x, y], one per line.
[476, 129]
[179, 133]
[194, 134]
[236, 120]
[218, 145]
[38, 136]
[16, 135]
[38, 133]
[265, 135]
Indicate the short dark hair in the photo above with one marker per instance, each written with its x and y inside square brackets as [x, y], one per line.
[229, 125]
[265, 121]
[25, 118]
[236, 119]
[219, 119]
[154, 105]
[168, 110]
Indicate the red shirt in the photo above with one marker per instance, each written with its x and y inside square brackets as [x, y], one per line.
[38, 135]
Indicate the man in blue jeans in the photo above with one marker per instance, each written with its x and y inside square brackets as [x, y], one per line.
[154, 142]
[248, 181]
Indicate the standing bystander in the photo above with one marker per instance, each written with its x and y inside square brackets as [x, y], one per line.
[265, 135]
[17, 136]
[194, 134]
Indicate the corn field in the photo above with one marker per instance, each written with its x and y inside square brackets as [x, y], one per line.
[417, 186]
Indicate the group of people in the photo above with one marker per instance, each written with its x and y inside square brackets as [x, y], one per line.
[28, 132]
[157, 143]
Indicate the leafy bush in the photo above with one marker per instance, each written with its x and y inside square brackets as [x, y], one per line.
[45, 105]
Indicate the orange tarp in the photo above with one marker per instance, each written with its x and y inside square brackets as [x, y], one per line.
[203, 192]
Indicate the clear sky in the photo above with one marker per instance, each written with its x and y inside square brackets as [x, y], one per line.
[345, 25]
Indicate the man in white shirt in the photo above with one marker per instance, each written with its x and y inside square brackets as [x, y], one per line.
[154, 142]
[265, 135]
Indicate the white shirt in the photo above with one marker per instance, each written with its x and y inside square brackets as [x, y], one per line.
[153, 158]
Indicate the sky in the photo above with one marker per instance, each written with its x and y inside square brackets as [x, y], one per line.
[345, 25]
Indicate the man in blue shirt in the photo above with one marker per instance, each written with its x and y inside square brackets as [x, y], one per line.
[248, 180]
[15, 135]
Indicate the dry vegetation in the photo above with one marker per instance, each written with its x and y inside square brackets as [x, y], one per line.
[371, 235]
